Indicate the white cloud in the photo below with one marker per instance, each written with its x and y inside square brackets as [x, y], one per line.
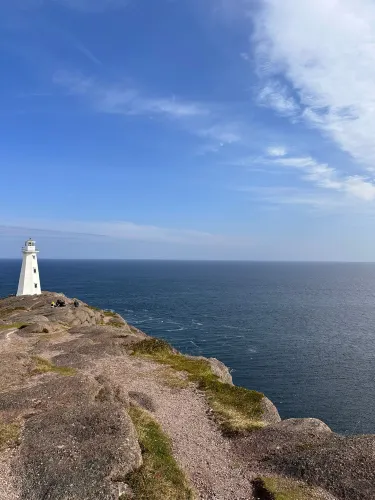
[324, 176]
[325, 49]
[126, 100]
[223, 133]
[276, 96]
[277, 151]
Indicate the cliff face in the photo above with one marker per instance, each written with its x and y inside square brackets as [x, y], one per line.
[93, 408]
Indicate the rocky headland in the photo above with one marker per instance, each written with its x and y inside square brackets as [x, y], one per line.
[93, 408]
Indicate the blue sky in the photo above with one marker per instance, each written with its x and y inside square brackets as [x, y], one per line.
[216, 129]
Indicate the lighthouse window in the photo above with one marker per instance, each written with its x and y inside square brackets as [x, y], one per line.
[36, 285]
[34, 270]
[33, 256]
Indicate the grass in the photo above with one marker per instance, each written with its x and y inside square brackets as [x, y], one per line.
[171, 379]
[236, 408]
[9, 435]
[117, 324]
[43, 365]
[13, 325]
[110, 313]
[285, 489]
[159, 477]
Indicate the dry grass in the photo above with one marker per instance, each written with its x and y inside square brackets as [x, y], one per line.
[159, 477]
[42, 365]
[236, 408]
[110, 314]
[9, 435]
[13, 325]
[287, 489]
[170, 378]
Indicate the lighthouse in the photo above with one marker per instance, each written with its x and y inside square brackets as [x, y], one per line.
[29, 283]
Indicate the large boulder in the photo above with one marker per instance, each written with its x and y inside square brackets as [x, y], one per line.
[78, 440]
[307, 449]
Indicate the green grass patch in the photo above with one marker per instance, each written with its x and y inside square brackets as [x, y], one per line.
[13, 325]
[236, 408]
[170, 378]
[110, 314]
[116, 324]
[42, 365]
[9, 435]
[283, 489]
[159, 476]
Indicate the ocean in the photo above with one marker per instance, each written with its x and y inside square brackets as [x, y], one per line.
[302, 333]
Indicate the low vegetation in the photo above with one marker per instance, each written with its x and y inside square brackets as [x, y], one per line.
[116, 324]
[13, 325]
[172, 379]
[159, 476]
[110, 314]
[236, 408]
[42, 365]
[9, 435]
[277, 488]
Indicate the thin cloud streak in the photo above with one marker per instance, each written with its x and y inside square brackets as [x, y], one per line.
[124, 230]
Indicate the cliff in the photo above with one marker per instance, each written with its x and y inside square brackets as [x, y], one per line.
[93, 408]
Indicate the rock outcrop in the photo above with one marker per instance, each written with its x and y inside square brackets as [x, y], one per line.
[70, 379]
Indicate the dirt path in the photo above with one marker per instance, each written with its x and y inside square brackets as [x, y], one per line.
[198, 445]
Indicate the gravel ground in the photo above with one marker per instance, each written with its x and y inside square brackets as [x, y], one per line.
[8, 487]
[184, 415]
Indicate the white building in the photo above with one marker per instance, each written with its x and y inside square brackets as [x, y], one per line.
[29, 283]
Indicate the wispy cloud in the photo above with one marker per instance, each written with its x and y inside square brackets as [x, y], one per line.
[277, 151]
[276, 96]
[325, 51]
[324, 176]
[124, 230]
[281, 195]
[122, 99]
[199, 119]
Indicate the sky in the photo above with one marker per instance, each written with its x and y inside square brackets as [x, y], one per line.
[188, 129]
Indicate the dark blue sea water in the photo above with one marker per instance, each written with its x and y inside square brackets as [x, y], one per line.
[304, 334]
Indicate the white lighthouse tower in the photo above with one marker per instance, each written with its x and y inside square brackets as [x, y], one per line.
[29, 283]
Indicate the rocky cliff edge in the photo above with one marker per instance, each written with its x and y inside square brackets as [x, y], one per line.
[93, 408]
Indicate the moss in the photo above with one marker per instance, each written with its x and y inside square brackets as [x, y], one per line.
[110, 314]
[42, 365]
[236, 408]
[159, 477]
[9, 435]
[13, 325]
[278, 488]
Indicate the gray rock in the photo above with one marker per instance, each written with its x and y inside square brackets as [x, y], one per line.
[221, 371]
[270, 412]
[78, 445]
